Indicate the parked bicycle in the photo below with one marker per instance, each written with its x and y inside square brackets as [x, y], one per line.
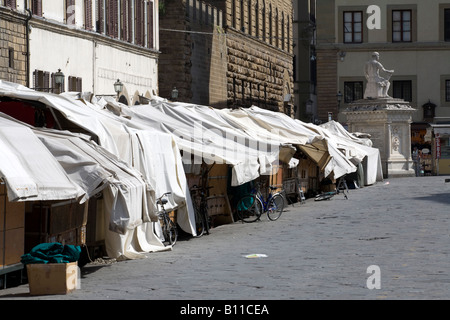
[250, 207]
[200, 203]
[341, 185]
[168, 227]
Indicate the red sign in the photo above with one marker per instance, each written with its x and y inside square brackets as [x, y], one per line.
[438, 147]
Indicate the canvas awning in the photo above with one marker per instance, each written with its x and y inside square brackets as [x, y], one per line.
[28, 169]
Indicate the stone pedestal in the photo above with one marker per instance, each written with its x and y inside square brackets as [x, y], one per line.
[388, 121]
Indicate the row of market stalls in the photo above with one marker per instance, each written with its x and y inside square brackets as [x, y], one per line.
[87, 170]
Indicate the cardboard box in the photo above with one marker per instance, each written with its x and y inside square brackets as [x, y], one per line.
[52, 278]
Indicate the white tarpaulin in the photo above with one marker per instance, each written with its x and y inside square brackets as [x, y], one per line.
[153, 153]
[319, 147]
[202, 133]
[357, 149]
[28, 169]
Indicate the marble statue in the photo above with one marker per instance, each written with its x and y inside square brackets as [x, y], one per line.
[377, 86]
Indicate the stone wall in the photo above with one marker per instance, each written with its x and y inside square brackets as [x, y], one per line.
[258, 74]
[212, 63]
[12, 46]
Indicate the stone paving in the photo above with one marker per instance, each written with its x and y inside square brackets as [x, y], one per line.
[318, 250]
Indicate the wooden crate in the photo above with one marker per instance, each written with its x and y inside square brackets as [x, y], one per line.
[52, 278]
[219, 208]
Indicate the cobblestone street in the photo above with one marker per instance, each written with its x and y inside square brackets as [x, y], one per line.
[317, 250]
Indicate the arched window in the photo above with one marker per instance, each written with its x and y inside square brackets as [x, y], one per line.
[277, 29]
[270, 25]
[288, 34]
[257, 18]
[263, 11]
[242, 15]
[233, 13]
[249, 18]
[283, 38]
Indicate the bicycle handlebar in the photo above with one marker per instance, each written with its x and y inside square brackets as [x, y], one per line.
[195, 188]
[163, 195]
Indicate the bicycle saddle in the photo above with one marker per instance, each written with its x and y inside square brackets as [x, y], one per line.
[272, 187]
[162, 201]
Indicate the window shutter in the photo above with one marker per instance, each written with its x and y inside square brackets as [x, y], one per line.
[88, 14]
[70, 12]
[46, 83]
[139, 13]
[100, 17]
[11, 4]
[36, 7]
[123, 19]
[112, 20]
[130, 21]
[35, 79]
[150, 24]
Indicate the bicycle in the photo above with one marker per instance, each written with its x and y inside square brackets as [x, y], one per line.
[199, 201]
[342, 184]
[168, 227]
[250, 207]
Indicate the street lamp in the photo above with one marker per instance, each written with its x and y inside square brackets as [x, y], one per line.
[118, 86]
[339, 99]
[174, 93]
[59, 79]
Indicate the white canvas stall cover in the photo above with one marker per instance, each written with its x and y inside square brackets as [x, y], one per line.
[120, 138]
[202, 133]
[128, 212]
[356, 150]
[263, 122]
[28, 169]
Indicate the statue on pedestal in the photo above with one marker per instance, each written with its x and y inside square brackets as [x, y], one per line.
[377, 86]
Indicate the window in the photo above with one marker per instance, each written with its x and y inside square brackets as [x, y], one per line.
[150, 43]
[353, 90]
[11, 3]
[353, 26]
[447, 90]
[401, 25]
[88, 15]
[446, 24]
[70, 12]
[140, 22]
[241, 7]
[41, 80]
[75, 84]
[36, 7]
[11, 58]
[402, 90]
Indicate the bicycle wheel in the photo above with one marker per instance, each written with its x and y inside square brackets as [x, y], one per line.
[205, 216]
[171, 232]
[199, 223]
[275, 207]
[249, 208]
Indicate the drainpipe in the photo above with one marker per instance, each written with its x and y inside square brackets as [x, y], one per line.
[27, 36]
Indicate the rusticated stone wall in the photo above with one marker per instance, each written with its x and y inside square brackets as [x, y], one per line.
[12, 46]
[258, 74]
[212, 62]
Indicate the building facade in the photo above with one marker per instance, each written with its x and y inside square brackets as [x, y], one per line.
[413, 39]
[93, 43]
[13, 43]
[247, 51]
[305, 79]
